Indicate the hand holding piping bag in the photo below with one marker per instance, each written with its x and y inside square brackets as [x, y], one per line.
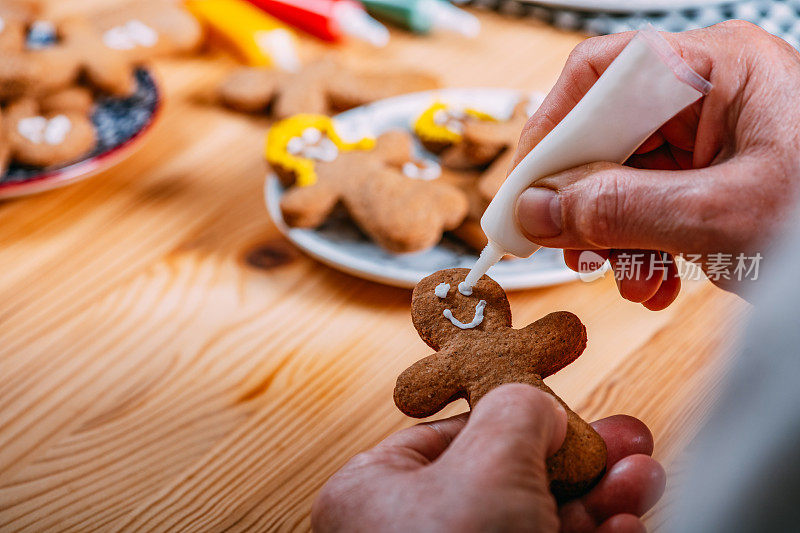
[646, 85]
[329, 20]
[261, 40]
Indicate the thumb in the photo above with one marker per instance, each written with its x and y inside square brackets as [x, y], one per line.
[603, 205]
[513, 425]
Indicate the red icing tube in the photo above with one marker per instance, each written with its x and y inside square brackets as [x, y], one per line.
[331, 20]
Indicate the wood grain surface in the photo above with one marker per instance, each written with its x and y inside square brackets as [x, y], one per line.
[168, 362]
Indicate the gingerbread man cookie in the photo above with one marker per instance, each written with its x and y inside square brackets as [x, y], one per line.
[145, 29]
[319, 88]
[46, 139]
[478, 350]
[399, 202]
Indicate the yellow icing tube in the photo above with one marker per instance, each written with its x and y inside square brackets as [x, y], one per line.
[261, 40]
[646, 85]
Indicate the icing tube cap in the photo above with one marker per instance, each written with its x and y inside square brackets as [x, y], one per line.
[444, 16]
[353, 21]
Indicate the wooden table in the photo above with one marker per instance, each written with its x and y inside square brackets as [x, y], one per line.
[169, 362]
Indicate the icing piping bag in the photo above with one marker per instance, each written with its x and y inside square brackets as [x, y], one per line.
[645, 86]
[261, 40]
[330, 20]
[425, 16]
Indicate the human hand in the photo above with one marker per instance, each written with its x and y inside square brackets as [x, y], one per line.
[486, 471]
[720, 177]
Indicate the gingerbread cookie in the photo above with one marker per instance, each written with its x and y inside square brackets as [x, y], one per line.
[145, 29]
[320, 87]
[399, 202]
[45, 139]
[478, 350]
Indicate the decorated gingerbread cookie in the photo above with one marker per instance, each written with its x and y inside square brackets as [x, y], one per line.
[478, 350]
[45, 139]
[440, 128]
[145, 29]
[398, 201]
[320, 87]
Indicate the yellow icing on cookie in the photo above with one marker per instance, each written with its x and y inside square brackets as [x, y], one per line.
[427, 129]
[303, 168]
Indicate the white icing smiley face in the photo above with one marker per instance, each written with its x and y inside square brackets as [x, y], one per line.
[40, 130]
[451, 118]
[422, 169]
[313, 144]
[441, 291]
[130, 35]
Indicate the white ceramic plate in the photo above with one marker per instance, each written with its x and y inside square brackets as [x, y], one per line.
[339, 244]
[627, 6]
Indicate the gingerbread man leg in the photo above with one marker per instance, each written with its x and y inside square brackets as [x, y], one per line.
[310, 206]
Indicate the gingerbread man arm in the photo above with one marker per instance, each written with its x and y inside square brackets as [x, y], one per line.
[427, 386]
[561, 336]
[310, 206]
[107, 69]
[250, 89]
[347, 89]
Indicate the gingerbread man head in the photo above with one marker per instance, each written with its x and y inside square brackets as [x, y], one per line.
[478, 350]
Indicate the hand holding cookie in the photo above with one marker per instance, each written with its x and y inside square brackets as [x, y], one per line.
[485, 470]
[478, 350]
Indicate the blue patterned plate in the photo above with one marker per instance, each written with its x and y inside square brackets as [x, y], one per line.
[338, 243]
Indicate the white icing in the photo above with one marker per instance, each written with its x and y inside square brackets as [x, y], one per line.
[312, 145]
[57, 130]
[130, 35]
[311, 135]
[324, 151]
[465, 289]
[451, 118]
[295, 146]
[441, 290]
[422, 170]
[476, 320]
[39, 130]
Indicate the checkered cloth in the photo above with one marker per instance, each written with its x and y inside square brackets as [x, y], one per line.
[779, 17]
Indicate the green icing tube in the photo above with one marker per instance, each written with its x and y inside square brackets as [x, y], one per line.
[424, 16]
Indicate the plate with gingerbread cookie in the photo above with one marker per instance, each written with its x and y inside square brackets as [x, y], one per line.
[75, 96]
[394, 190]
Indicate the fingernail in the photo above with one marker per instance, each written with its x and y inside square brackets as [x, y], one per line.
[539, 212]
